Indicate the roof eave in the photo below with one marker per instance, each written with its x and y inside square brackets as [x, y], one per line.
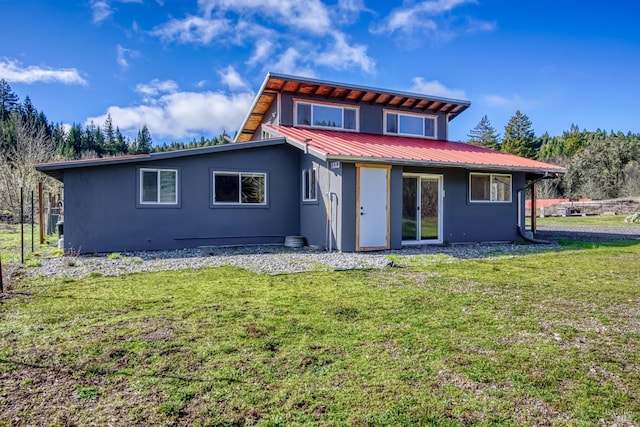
[430, 163]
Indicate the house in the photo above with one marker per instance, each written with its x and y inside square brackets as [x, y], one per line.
[347, 167]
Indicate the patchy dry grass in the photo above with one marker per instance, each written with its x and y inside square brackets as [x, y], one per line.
[544, 339]
[596, 220]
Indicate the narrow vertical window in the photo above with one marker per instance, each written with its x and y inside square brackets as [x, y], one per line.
[309, 185]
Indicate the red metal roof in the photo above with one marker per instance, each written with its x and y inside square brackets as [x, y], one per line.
[407, 150]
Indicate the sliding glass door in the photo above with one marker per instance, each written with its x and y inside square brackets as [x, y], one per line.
[422, 209]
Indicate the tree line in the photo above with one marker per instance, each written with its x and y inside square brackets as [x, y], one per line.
[28, 137]
[600, 164]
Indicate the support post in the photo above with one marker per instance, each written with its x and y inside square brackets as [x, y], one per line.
[533, 208]
[40, 213]
[33, 223]
[21, 224]
[1, 283]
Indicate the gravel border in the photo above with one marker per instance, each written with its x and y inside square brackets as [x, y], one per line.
[277, 259]
[262, 259]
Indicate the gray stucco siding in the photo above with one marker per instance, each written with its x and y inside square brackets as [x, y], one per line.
[103, 214]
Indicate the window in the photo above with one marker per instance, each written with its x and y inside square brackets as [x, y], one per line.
[410, 124]
[309, 184]
[486, 187]
[326, 116]
[239, 188]
[158, 186]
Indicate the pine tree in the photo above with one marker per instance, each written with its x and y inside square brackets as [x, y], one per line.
[109, 136]
[143, 141]
[122, 145]
[484, 135]
[519, 138]
[8, 100]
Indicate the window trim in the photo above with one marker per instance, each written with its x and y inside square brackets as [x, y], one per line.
[491, 194]
[404, 113]
[355, 108]
[239, 203]
[141, 172]
[306, 187]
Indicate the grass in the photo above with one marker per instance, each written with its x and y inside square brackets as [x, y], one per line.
[550, 338]
[607, 220]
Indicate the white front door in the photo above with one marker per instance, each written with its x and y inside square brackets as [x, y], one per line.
[372, 216]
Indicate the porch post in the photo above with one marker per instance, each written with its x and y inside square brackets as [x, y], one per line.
[533, 208]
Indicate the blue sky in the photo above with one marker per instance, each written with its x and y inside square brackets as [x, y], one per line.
[191, 68]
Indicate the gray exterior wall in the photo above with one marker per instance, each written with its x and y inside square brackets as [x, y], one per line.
[371, 115]
[102, 213]
[465, 221]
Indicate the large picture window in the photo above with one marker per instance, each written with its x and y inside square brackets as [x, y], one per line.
[158, 186]
[309, 184]
[410, 124]
[485, 187]
[239, 188]
[326, 116]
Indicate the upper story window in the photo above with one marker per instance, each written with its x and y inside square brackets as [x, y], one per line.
[410, 124]
[158, 186]
[326, 116]
[489, 187]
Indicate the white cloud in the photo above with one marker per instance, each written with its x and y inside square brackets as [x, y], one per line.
[311, 16]
[307, 30]
[493, 100]
[434, 18]
[182, 115]
[232, 79]
[192, 29]
[201, 83]
[169, 112]
[157, 87]
[123, 55]
[102, 9]
[262, 50]
[289, 63]
[341, 55]
[349, 10]
[435, 88]
[14, 71]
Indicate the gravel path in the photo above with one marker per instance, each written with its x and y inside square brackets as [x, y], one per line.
[261, 259]
[589, 233]
[282, 260]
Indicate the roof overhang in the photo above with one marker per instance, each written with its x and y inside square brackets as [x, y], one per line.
[275, 84]
[430, 163]
[56, 169]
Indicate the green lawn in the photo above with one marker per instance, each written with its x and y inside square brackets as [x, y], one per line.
[551, 338]
[613, 220]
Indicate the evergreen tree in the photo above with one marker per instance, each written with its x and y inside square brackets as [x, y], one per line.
[143, 142]
[109, 136]
[519, 138]
[574, 140]
[122, 145]
[484, 135]
[8, 100]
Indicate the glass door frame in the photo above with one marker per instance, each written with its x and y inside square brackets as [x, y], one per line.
[419, 177]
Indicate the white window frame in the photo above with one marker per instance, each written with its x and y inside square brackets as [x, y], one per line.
[492, 193]
[239, 175]
[158, 200]
[307, 187]
[402, 113]
[330, 105]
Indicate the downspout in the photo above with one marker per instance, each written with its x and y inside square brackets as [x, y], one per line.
[521, 224]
